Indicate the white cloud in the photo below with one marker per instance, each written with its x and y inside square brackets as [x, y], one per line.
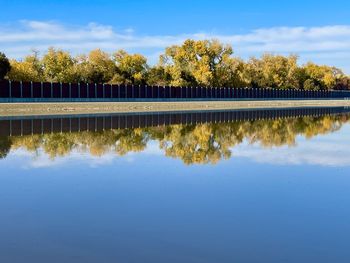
[324, 44]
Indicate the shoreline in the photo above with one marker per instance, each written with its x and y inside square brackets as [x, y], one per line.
[69, 108]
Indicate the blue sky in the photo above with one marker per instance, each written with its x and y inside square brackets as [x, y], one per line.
[316, 30]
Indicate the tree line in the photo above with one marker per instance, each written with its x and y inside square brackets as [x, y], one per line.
[206, 63]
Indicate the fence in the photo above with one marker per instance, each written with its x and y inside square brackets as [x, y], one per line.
[45, 91]
[18, 126]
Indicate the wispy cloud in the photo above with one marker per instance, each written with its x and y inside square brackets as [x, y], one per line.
[324, 44]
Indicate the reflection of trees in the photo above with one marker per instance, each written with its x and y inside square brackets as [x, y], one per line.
[201, 143]
[5, 146]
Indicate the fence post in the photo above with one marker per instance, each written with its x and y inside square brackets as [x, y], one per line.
[87, 90]
[51, 90]
[70, 90]
[21, 89]
[79, 90]
[10, 89]
[95, 90]
[61, 90]
[31, 89]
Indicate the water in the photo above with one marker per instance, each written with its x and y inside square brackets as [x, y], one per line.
[263, 186]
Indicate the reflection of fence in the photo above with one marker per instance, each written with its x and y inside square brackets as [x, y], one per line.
[16, 126]
[42, 91]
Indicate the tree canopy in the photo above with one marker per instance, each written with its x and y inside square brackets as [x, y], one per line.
[193, 63]
[5, 66]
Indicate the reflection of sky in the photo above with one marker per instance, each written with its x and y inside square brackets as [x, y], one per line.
[325, 150]
[146, 207]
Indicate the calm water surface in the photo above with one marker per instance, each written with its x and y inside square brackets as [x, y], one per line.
[250, 190]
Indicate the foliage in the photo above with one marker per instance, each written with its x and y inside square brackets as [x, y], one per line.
[130, 69]
[58, 66]
[193, 63]
[201, 63]
[4, 65]
[30, 69]
[97, 67]
[273, 71]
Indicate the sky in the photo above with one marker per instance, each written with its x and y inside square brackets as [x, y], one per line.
[315, 30]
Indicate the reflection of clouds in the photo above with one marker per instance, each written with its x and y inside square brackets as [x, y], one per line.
[40, 159]
[151, 149]
[323, 151]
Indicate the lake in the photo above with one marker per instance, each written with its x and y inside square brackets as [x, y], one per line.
[230, 186]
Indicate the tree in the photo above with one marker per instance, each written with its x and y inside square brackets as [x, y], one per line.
[343, 83]
[273, 71]
[5, 66]
[324, 76]
[201, 63]
[59, 66]
[97, 67]
[130, 69]
[30, 69]
[310, 84]
[157, 76]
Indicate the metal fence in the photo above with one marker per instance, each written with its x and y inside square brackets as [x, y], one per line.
[41, 91]
[17, 126]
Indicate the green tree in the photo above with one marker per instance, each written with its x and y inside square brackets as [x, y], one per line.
[5, 66]
[30, 69]
[273, 71]
[97, 67]
[201, 63]
[130, 69]
[157, 76]
[324, 77]
[59, 66]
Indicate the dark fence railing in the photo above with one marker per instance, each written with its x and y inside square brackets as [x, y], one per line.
[41, 91]
[18, 126]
